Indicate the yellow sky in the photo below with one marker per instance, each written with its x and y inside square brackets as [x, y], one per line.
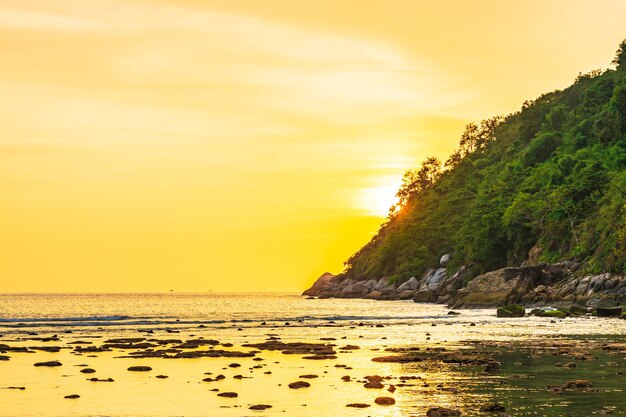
[246, 145]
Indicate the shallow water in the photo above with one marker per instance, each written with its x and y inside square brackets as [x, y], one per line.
[238, 319]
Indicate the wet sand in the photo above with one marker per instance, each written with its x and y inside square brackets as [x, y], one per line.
[473, 364]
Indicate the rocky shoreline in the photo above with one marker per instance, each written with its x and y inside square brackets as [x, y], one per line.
[534, 285]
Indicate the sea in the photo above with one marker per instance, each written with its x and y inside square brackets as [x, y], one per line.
[372, 328]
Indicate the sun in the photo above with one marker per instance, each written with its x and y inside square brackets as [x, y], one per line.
[378, 199]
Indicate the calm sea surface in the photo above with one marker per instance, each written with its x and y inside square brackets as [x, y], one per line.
[222, 312]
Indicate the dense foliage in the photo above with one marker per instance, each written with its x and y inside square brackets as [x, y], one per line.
[551, 177]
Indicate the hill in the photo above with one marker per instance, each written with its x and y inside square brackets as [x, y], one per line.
[543, 186]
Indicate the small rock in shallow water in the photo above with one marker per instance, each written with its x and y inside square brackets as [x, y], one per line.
[260, 407]
[49, 363]
[140, 368]
[492, 367]
[442, 412]
[385, 401]
[308, 376]
[358, 405]
[72, 397]
[565, 365]
[228, 394]
[299, 384]
[375, 384]
[87, 371]
[493, 408]
[162, 376]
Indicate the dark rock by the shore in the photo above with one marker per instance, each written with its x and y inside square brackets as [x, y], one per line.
[49, 363]
[559, 285]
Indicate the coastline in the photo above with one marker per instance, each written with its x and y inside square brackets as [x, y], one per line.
[537, 285]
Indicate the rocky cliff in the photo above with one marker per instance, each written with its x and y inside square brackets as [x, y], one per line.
[532, 285]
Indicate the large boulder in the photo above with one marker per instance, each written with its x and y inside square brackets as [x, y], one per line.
[490, 289]
[323, 283]
[355, 290]
[528, 284]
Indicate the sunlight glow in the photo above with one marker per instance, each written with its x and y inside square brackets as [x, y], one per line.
[377, 200]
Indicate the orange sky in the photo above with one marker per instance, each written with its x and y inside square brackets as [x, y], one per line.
[246, 145]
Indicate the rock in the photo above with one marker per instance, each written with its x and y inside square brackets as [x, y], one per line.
[578, 384]
[228, 394]
[320, 357]
[322, 284]
[531, 283]
[453, 313]
[444, 259]
[385, 401]
[259, 407]
[489, 289]
[576, 310]
[162, 376]
[375, 384]
[492, 367]
[374, 295]
[434, 281]
[357, 405]
[87, 371]
[551, 312]
[355, 290]
[4, 358]
[442, 412]
[609, 311]
[410, 285]
[72, 397]
[139, 368]
[406, 294]
[513, 310]
[423, 296]
[309, 376]
[533, 255]
[299, 384]
[570, 365]
[49, 363]
[493, 408]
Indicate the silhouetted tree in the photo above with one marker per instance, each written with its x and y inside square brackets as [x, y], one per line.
[415, 182]
[620, 56]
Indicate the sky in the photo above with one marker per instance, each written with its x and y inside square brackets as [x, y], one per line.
[245, 145]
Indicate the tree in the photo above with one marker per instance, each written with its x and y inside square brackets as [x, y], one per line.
[415, 182]
[620, 56]
[475, 139]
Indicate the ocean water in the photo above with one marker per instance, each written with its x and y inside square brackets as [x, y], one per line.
[225, 312]
[239, 319]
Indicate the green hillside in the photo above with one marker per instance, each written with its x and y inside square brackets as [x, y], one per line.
[551, 178]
